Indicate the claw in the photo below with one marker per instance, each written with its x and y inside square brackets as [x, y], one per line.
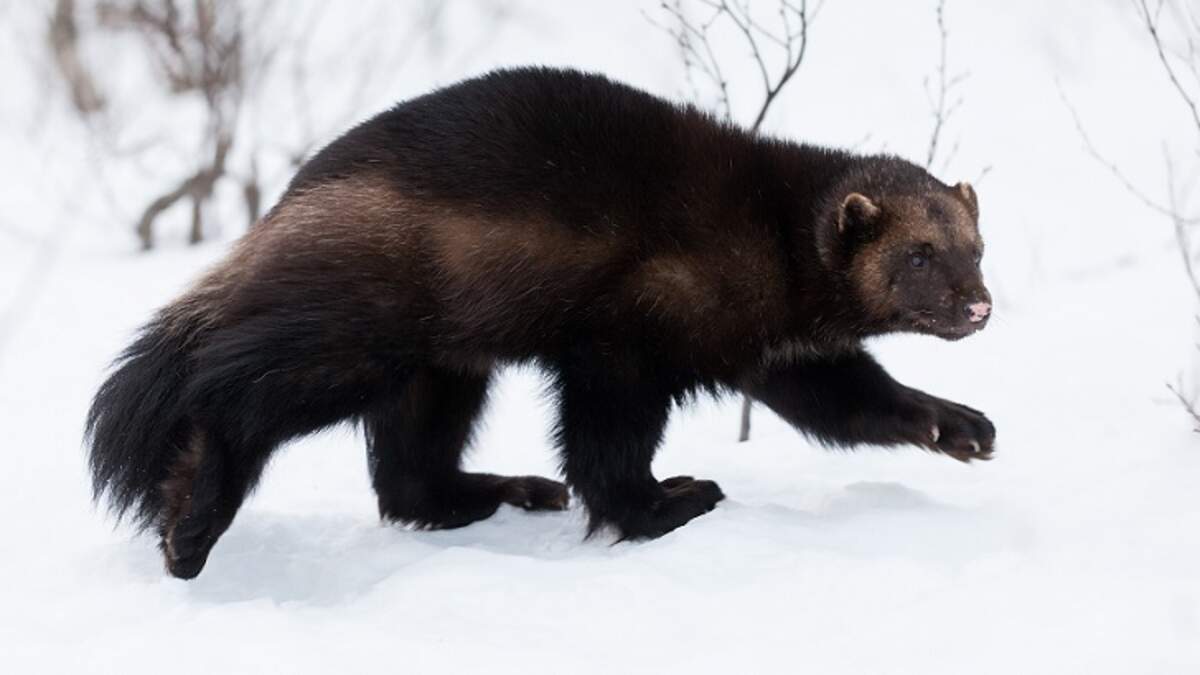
[935, 433]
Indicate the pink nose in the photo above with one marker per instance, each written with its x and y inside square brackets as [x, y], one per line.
[978, 311]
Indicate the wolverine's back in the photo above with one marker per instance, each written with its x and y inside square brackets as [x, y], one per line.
[578, 147]
[513, 215]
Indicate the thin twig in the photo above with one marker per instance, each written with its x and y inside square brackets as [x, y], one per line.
[1182, 236]
[1152, 26]
[699, 55]
[1116, 170]
[939, 117]
[744, 426]
[1188, 403]
[941, 104]
[696, 50]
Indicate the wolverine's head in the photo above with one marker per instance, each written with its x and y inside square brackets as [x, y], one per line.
[911, 253]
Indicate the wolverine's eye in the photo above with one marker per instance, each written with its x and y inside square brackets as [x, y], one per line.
[918, 260]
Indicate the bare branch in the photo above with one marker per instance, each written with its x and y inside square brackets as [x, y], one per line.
[198, 187]
[794, 60]
[699, 56]
[1152, 26]
[1182, 236]
[1176, 207]
[64, 43]
[1116, 170]
[942, 103]
[756, 52]
[744, 426]
[252, 193]
[203, 50]
[696, 50]
[1188, 403]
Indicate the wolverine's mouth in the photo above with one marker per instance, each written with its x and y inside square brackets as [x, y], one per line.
[927, 322]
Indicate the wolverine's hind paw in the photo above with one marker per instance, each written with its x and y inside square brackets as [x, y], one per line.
[534, 493]
[185, 546]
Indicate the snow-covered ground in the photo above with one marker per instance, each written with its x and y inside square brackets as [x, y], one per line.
[1076, 550]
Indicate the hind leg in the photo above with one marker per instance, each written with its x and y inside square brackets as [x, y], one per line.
[201, 496]
[611, 421]
[415, 443]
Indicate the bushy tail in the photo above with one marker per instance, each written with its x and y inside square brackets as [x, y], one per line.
[138, 423]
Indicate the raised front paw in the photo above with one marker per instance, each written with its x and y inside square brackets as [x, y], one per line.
[956, 430]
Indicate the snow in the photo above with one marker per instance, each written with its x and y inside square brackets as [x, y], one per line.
[1075, 550]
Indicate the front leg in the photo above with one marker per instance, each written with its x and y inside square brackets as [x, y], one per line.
[849, 399]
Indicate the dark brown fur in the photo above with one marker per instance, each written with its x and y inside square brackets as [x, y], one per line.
[639, 251]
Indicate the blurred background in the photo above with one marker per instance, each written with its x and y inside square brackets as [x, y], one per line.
[138, 139]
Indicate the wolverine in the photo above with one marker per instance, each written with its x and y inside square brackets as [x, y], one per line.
[640, 252]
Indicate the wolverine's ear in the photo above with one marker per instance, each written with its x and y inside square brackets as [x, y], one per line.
[967, 193]
[854, 223]
[856, 210]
